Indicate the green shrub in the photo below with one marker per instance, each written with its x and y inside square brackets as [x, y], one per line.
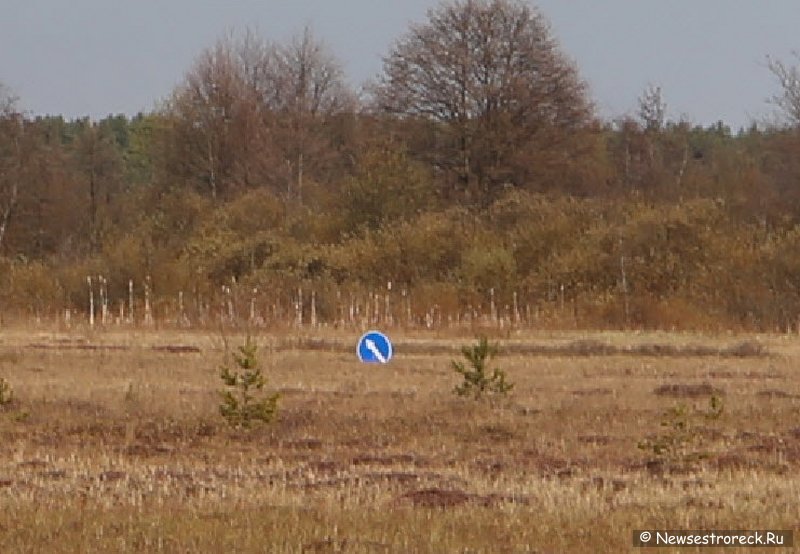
[244, 401]
[478, 380]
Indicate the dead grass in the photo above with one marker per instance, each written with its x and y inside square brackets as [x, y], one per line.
[123, 448]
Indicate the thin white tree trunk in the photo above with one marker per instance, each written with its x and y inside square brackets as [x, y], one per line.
[6, 216]
[13, 196]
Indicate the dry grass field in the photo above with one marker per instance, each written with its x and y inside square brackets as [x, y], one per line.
[114, 443]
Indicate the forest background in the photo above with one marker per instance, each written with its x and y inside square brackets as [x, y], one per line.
[471, 182]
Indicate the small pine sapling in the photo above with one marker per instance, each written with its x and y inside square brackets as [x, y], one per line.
[245, 401]
[478, 380]
[681, 442]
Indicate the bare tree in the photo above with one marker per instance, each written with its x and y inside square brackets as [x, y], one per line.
[219, 139]
[652, 109]
[250, 112]
[655, 148]
[492, 78]
[306, 88]
[205, 106]
[788, 99]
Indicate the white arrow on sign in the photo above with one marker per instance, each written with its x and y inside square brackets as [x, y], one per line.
[374, 349]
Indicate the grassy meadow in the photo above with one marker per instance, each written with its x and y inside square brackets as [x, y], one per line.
[114, 443]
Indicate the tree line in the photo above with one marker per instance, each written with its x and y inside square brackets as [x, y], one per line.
[473, 175]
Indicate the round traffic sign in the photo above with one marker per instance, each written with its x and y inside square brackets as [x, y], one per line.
[374, 348]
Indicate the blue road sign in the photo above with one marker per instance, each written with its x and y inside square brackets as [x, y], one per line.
[374, 348]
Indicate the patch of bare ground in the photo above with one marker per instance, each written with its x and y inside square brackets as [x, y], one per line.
[345, 545]
[592, 392]
[776, 393]
[444, 498]
[389, 459]
[600, 440]
[77, 346]
[177, 349]
[81, 345]
[687, 390]
[748, 375]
